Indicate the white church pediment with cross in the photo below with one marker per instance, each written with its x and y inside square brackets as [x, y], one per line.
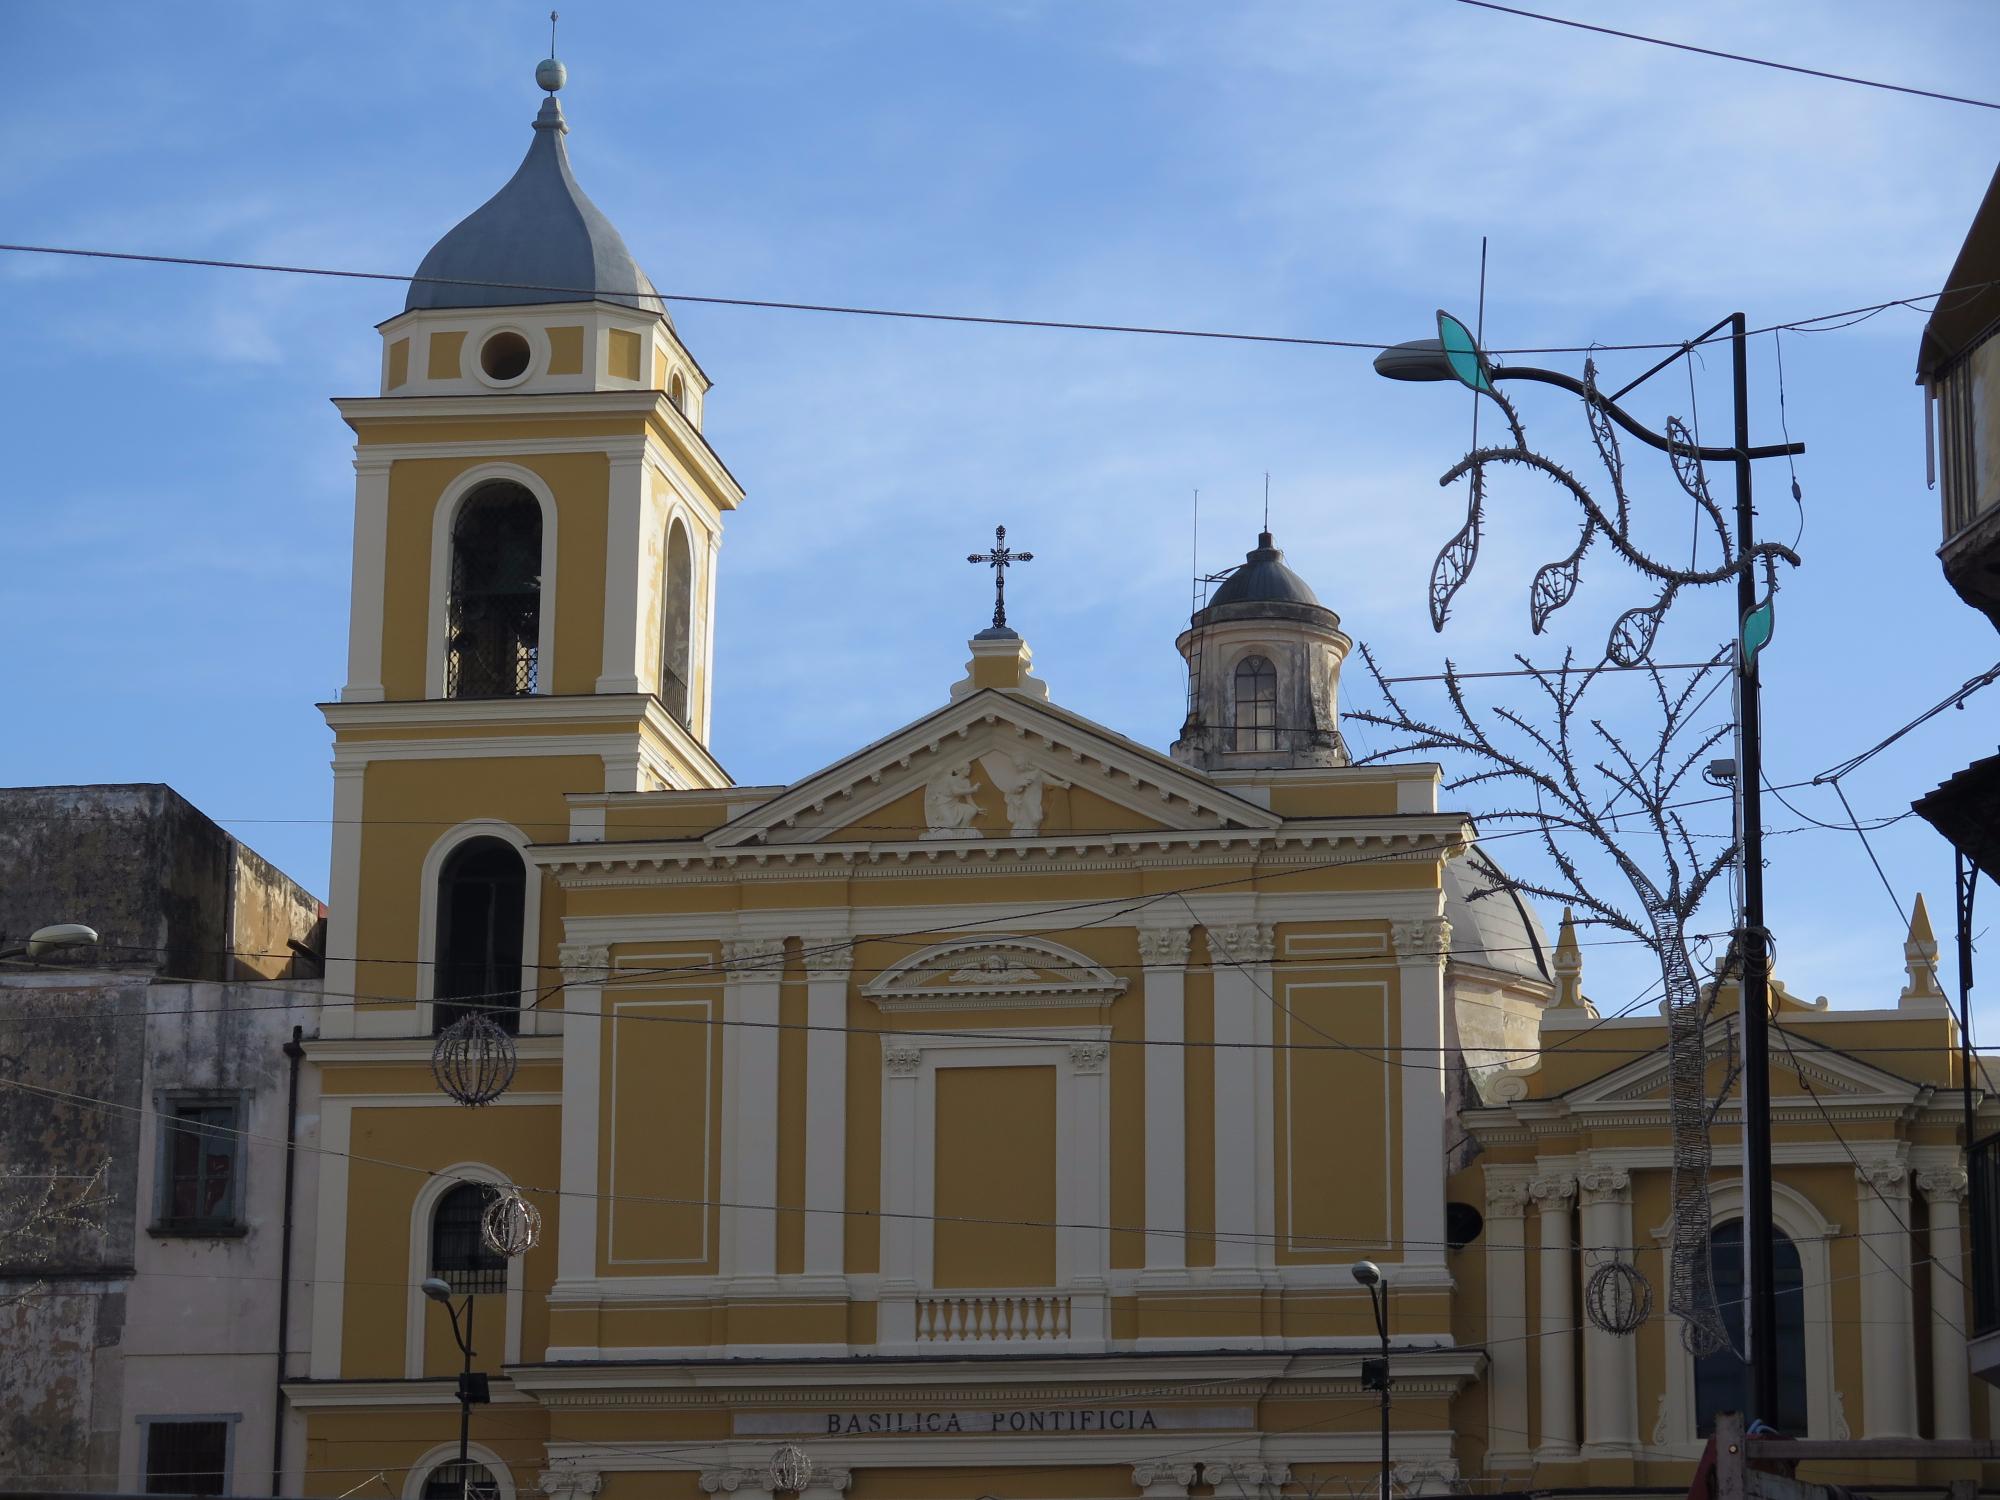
[990, 766]
[992, 974]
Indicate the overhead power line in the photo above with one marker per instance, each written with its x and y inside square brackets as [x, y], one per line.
[1760, 62]
[1802, 325]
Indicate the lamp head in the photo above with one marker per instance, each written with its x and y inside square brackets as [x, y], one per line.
[437, 1289]
[1418, 359]
[46, 940]
[1368, 1274]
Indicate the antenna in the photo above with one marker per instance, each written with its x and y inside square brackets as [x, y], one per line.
[1267, 501]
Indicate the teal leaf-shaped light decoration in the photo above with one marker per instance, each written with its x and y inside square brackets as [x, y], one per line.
[1757, 628]
[1461, 352]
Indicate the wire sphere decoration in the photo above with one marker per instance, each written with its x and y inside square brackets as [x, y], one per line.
[791, 1468]
[1618, 1299]
[511, 1225]
[473, 1060]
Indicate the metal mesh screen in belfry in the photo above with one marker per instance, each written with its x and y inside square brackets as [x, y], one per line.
[1690, 1276]
[494, 609]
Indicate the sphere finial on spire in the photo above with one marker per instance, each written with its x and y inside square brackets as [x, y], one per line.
[550, 74]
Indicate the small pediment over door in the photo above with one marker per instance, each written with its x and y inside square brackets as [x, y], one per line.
[1010, 973]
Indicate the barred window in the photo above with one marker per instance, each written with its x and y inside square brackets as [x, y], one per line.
[494, 608]
[459, 1252]
[1721, 1379]
[1256, 704]
[481, 906]
[678, 610]
[456, 1481]
[187, 1458]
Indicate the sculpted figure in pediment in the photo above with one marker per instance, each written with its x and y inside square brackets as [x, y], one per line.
[950, 803]
[1022, 783]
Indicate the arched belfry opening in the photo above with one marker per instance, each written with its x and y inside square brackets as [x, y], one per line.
[493, 607]
[677, 626]
[1263, 659]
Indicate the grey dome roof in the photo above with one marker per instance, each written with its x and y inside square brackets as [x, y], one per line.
[1499, 932]
[1264, 579]
[539, 231]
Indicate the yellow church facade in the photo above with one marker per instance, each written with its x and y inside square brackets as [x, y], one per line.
[1003, 1109]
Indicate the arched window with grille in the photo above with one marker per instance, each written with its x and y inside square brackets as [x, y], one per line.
[481, 915]
[493, 606]
[1256, 704]
[452, 1480]
[459, 1252]
[1721, 1379]
[677, 612]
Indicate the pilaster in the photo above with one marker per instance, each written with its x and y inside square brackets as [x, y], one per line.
[902, 1064]
[1421, 947]
[1507, 1195]
[1888, 1354]
[1241, 957]
[628, 562]
[1556, 1348]
[1951, 1387]
[828, 962]
[1610, 1363]
[368, 594]
[754, 970]
[1163, 953]
[585, 967]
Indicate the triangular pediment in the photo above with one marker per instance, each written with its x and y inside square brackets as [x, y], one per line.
[1829, 1075]
[994, 766]
[994, 973]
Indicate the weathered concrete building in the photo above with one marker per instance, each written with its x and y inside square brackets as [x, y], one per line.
[148, 1202]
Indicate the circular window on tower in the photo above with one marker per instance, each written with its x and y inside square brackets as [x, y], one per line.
[505, 356]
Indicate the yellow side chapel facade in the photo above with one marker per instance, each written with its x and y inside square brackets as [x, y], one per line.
[1000, 1110]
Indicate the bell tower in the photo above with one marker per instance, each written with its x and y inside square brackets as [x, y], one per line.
[1263, 658]
[537, 522]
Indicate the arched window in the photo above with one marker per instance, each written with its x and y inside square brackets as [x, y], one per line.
[459, 1252]
[678, 627]
[677, 393]
[481, 904]
[1720, 1378]
[451, 1480]
[1256, 704]
[493, 610]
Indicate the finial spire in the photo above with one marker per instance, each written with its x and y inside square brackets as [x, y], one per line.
[1568, 967]
[550, 74]
[1920, 951]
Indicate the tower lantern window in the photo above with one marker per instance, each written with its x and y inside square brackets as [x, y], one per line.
[1256, 704]
[505, 356]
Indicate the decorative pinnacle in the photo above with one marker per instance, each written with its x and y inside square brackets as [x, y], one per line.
[1920, 951]
[1568, 965]
[550, 74]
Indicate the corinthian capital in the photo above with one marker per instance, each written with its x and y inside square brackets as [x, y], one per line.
[1886, 1179]
[1605, 1185]
[1427, 937]
[1946, 1185]
[1163, 947]
[1552, 1192]
[826, 957]
[1245, 943]
[584, 963]
[1506, 1198]
[761, 955]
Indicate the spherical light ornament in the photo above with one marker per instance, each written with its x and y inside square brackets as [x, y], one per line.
[791, 1468]
[1617, 1298]
[551, 75]
[473, 1060]
[511, 1225]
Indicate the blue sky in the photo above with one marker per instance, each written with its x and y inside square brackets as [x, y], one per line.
[177, 501]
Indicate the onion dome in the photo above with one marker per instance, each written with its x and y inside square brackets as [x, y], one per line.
[539, 239]
[1264, 589]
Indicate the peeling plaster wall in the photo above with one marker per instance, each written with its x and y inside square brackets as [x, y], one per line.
[99, 1329]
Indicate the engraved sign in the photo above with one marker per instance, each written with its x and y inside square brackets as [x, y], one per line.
[932, 1421]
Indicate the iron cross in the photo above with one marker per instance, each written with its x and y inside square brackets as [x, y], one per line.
[999, 559]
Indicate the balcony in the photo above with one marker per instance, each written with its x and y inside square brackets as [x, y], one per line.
[1967, 393]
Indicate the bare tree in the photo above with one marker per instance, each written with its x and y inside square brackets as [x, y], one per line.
[1579, 781]
[38, 1210]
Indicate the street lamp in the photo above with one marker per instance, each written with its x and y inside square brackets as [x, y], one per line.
[1455, 355]
[1375, 1372]
[473, 1387]
[46, 940]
